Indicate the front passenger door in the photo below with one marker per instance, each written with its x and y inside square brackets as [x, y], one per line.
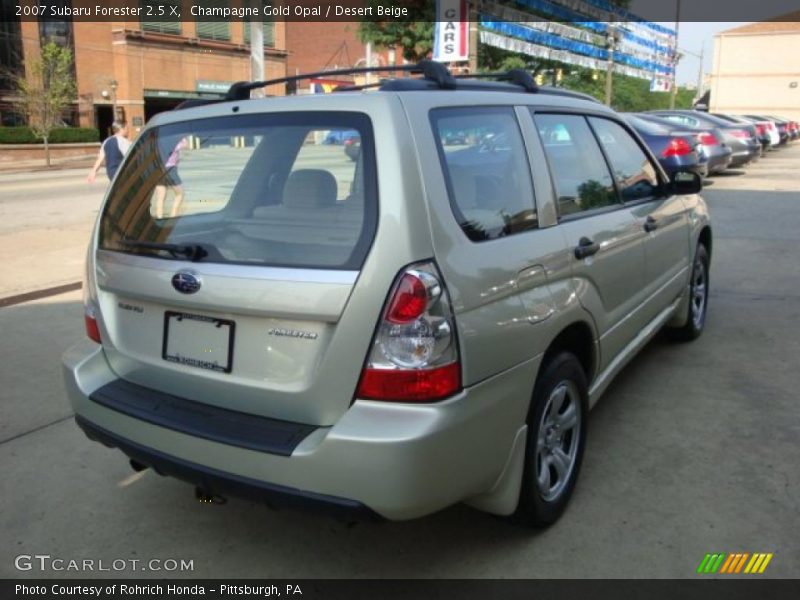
[604, 235]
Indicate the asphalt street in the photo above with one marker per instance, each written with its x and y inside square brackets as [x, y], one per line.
[693, 449]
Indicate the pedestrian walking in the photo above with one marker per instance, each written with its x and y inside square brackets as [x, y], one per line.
[112, 151]
[172, 180]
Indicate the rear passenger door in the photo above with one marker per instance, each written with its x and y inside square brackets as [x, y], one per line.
[497, 263]
[605, 235]
[661, 215]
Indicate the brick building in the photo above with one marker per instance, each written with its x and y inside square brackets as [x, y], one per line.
[322, 46]
[140, 67]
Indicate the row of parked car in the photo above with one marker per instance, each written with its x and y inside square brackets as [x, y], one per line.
[710, 143]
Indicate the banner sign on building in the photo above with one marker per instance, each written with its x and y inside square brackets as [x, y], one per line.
[451, 40]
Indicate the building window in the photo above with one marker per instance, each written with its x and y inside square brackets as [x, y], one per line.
[269, 33]
[58, 31]
[157, 15]
[214, 30]
[10, 48]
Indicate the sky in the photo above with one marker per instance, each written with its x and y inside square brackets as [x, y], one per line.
[692, 38]
[694, 32]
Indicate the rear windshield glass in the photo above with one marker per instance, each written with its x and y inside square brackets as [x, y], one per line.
[648, 127]
[281, 189]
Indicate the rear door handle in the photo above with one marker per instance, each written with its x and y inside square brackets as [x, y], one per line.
[586, 247]
[650, 224]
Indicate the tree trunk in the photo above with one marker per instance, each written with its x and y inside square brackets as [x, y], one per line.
[46, 151]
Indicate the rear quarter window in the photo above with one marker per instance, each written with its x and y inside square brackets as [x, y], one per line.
[486, 170]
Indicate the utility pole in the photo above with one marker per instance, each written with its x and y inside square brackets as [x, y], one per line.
[700, 72]
[675, 56]
[611, 39]
[256, 51]
[368, 59]
[472, 15]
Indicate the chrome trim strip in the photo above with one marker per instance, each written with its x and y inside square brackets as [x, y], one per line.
[229, 270]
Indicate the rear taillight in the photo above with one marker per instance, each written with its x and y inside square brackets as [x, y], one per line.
[677, 147]
[740, 133]
[707, 139]
[760, 129]
[90, 320]
[414, 355]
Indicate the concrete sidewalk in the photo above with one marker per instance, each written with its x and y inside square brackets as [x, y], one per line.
[56, 164]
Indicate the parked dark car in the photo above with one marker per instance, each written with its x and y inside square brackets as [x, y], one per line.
[781, 125]
[710, 138]
[741, 138]
[792, 131]
[676, 150]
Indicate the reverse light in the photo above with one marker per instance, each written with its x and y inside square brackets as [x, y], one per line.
[414, 355]
[90, 321]
[677, 147]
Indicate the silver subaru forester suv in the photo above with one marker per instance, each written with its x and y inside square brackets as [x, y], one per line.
[383, 301]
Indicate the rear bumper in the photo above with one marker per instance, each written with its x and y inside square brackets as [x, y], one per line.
[398, 461]
[718, 162]
[219, 483]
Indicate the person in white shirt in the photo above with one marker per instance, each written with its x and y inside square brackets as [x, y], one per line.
[112, 151]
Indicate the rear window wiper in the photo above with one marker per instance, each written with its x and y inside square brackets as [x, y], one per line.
[193, 252]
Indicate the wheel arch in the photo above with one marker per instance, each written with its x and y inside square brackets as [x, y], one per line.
[705, 239]
[578, 339]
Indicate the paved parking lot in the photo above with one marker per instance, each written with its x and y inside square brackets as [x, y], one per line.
[694, 448]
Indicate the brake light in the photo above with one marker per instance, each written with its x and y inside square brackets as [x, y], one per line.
[90, 321]
[414, 355]
[420, 385]
[707, 139]
[760, 129]
[677, 147]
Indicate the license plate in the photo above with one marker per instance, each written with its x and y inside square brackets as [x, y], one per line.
[198, 341]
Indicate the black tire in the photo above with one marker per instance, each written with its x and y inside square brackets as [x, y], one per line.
[535, 508]
[696, 314]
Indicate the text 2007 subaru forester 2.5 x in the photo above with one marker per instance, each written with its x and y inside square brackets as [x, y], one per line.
[425, 322]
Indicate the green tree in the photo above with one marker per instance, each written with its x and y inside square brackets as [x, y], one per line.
[47, 91]
[630, 94]
[414, 37]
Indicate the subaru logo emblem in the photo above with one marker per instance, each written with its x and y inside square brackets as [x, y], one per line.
[186, 282]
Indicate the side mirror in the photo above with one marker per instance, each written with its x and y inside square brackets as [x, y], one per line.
[686, 182]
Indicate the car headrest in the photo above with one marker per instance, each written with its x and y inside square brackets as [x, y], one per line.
[310, 188]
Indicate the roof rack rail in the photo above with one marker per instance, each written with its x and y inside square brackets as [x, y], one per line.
[518, 77]
[430, 70]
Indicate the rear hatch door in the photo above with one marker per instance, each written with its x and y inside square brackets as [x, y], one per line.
[227, 252]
